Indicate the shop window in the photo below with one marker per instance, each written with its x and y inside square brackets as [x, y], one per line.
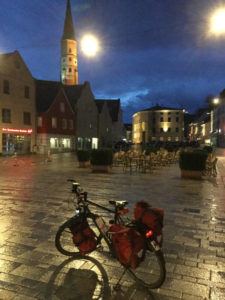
[5, 86]
[26, 92]
[6, 115]
[54, 122]
[26, 118]
[64, 123]
[39, 121]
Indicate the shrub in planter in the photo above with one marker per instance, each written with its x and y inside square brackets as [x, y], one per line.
[101, 157]
[83, 155]
[192, 163]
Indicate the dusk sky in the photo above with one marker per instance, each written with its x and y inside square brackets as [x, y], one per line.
[152, 51]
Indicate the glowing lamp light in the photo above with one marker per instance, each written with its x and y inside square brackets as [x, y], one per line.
[149, 233]
[89, 45]
[216, 101]
[218, 22]
[165, 128]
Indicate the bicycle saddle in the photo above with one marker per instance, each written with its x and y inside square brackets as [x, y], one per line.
[118, 203]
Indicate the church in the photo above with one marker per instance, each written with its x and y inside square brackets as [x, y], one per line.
[61, 116]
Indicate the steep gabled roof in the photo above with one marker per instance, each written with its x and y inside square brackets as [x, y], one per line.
[113, 107]
[46, 91]
[73, 93]
[100, 104]
[5, 56]
[158, 107]
[68, 32]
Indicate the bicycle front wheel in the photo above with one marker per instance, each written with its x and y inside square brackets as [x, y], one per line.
[151, 272]
[64, 239]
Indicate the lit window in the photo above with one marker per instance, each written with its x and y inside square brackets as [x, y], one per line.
[54, 122]
[177, 139]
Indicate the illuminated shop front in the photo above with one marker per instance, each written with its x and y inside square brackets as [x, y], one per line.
[16, 140]
[55, 144]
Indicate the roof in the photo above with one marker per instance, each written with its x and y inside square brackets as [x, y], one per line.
[114, 107]
[68, 32]
[202, 116]
[158, 107]
[46, 91]
[100, 104]
[5, 56]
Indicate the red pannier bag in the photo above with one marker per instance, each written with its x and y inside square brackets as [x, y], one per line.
[83, 236]
[129, 245]
[152, 218]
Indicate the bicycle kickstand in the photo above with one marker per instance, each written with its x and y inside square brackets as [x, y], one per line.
[117, 287]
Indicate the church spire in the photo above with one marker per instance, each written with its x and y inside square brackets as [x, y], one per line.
[68, 32]
[69, 72]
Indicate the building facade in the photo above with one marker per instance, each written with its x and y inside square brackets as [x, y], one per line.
[17, 106]
[158, 124]
[218, 124]
[56, 121]
[200, 128]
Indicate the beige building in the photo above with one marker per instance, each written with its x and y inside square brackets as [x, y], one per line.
[200, 128]
[158, 123]
[17, 106]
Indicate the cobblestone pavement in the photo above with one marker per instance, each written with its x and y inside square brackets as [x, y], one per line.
[34, 202]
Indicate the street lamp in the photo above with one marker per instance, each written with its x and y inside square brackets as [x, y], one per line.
[214, 122]
[90, 45]
[218, 22]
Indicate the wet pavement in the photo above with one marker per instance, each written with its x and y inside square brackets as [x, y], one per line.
[35, 200]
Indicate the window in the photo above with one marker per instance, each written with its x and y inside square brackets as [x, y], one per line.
[70, 124]
[5, 86]
[6, 115]
[26, 92]
[62, 107]
[54, 122]
[177, 129]
[169, 129]
[169, 119]
[153, 130]
[26, 118]
[70, 70]
[161, 119]
[177, 119]
[161, 113]
[161, 129]
[64, 123]
[70, 50]
[153, 120]
[177, 113]
[39, 121]
[17, 64]
[169, 113]
[70, 58]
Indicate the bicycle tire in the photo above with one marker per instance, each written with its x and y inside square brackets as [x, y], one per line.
[154, 277]
[64, 244]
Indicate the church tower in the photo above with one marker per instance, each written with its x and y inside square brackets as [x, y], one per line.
[69, 72]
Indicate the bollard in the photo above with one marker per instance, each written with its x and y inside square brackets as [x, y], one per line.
[49, 156]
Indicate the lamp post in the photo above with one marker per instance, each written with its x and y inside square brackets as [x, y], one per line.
[214, 122]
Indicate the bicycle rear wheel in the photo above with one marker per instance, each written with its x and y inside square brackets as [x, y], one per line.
[151, 272]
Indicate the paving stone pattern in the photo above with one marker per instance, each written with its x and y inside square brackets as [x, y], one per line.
[35, 200]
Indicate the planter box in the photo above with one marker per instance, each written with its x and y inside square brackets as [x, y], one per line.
[191, 174]
[84, 164]
[101, 168]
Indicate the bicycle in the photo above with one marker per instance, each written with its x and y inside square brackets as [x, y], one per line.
[151, 272]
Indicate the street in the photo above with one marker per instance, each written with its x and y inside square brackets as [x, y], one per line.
[35, 201]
